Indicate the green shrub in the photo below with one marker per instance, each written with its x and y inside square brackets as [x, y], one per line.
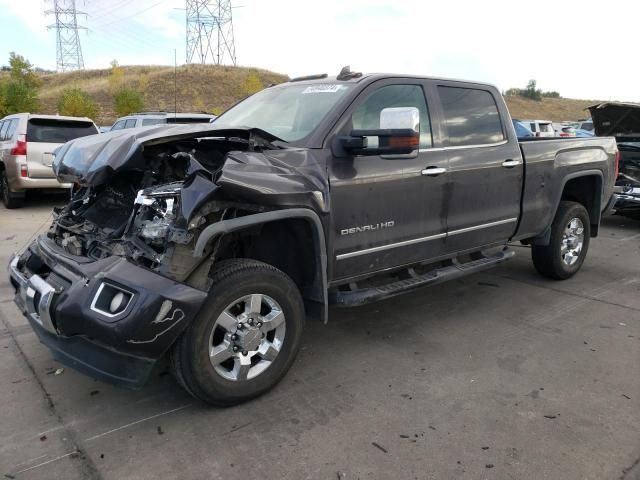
[128, 100]
[77, 103]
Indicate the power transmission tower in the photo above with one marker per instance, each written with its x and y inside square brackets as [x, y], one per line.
[210, 32]
[68, 49]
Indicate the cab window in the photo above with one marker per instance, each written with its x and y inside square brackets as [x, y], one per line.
[471, 116]
[367, 115]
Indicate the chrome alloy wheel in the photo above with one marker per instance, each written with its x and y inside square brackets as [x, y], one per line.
[247, 337]
[572, 241]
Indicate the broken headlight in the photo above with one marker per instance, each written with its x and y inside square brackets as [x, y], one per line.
[156, 214]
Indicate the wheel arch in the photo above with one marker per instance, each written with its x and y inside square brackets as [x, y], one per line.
[287, 229]
[583, 187]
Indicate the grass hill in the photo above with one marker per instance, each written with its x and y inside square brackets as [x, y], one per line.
[212, 88]
[555, 109]
[198, 88]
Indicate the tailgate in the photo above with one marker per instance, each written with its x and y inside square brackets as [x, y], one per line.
[40, 159]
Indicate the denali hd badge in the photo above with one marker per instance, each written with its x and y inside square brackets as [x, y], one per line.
[367, 228]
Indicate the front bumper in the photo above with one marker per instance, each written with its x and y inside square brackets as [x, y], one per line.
[58, 294]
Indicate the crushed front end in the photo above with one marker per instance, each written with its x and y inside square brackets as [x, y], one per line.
[114, 281]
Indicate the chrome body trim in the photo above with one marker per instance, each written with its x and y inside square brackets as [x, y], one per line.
[38, 310]
[413, 241]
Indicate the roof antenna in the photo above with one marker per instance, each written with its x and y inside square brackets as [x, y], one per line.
[347, 74]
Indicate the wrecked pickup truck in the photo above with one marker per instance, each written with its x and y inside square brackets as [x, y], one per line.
[622, 121]
[212, 244]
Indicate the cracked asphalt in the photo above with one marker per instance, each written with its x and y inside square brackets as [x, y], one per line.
[500, 375]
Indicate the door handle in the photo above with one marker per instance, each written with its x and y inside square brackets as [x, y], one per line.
[511, 163]
[433, 171]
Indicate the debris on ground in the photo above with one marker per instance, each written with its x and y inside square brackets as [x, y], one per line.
[43, 438]
[94, 392]
[59, 371]
[160, 431]
[379, 447]
[626, 396]
[551, 416]
[489, 465]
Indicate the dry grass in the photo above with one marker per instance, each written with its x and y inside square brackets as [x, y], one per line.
[555, 109]
[207, 88]
[212, 88]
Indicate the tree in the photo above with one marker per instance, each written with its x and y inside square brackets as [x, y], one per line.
[531, 91]
[19, 92]
[116, 78]
[77, 103]
[128, 100]
[552, 94]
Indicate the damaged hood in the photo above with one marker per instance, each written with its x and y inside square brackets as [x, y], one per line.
[92, 160]
[618, 119]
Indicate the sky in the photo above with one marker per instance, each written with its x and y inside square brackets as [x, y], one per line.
[580, 49]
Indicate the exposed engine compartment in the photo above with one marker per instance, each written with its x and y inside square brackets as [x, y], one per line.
[150, 215]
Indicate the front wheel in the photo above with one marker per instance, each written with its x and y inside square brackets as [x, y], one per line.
[245, 338]
[569, 243]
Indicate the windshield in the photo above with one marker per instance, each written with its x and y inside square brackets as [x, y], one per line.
[290, 112]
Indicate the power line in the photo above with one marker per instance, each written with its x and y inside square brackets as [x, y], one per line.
[68, 49]
[210, 32]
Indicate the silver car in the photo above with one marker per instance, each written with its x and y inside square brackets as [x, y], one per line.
[27, 143]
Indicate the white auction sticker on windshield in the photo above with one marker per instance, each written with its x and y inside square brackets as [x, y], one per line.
[324, 88]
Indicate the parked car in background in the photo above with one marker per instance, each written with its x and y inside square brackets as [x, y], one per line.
[541, 128]
[622, 120]
[583, 133]
[522, 129]
[564, 130]
[144, 119]
[585, 125]
[27, 143]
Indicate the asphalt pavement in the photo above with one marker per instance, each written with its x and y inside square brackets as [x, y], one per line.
[499, 375]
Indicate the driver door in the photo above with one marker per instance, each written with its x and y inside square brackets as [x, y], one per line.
[388, 211]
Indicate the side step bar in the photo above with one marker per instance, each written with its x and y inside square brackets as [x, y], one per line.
[353, 298]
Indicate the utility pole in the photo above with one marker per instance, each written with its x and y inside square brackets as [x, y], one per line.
[210, 32]
[68, 49]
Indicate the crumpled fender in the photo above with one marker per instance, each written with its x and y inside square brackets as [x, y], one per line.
[284, 178]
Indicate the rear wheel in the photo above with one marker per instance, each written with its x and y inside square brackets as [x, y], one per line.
[9, 198]
[569, 243]
[246, 336]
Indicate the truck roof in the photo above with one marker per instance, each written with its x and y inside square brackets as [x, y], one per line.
[372, 77]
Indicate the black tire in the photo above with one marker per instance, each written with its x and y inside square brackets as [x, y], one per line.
[9, 198]
[547, 259]
[233, 279]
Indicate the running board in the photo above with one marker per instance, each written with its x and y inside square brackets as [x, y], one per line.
[353, 298]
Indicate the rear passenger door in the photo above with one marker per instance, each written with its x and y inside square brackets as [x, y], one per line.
[485, 167]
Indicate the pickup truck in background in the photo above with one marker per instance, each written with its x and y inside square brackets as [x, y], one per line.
[622, 121]
[213, 243]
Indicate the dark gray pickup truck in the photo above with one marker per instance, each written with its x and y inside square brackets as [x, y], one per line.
[212, 244]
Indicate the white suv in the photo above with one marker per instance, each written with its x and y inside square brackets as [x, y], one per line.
[27, 143]
[541, 128]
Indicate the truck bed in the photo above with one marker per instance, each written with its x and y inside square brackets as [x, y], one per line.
[550, 163]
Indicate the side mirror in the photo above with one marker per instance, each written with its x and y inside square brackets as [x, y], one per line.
[399, 134]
